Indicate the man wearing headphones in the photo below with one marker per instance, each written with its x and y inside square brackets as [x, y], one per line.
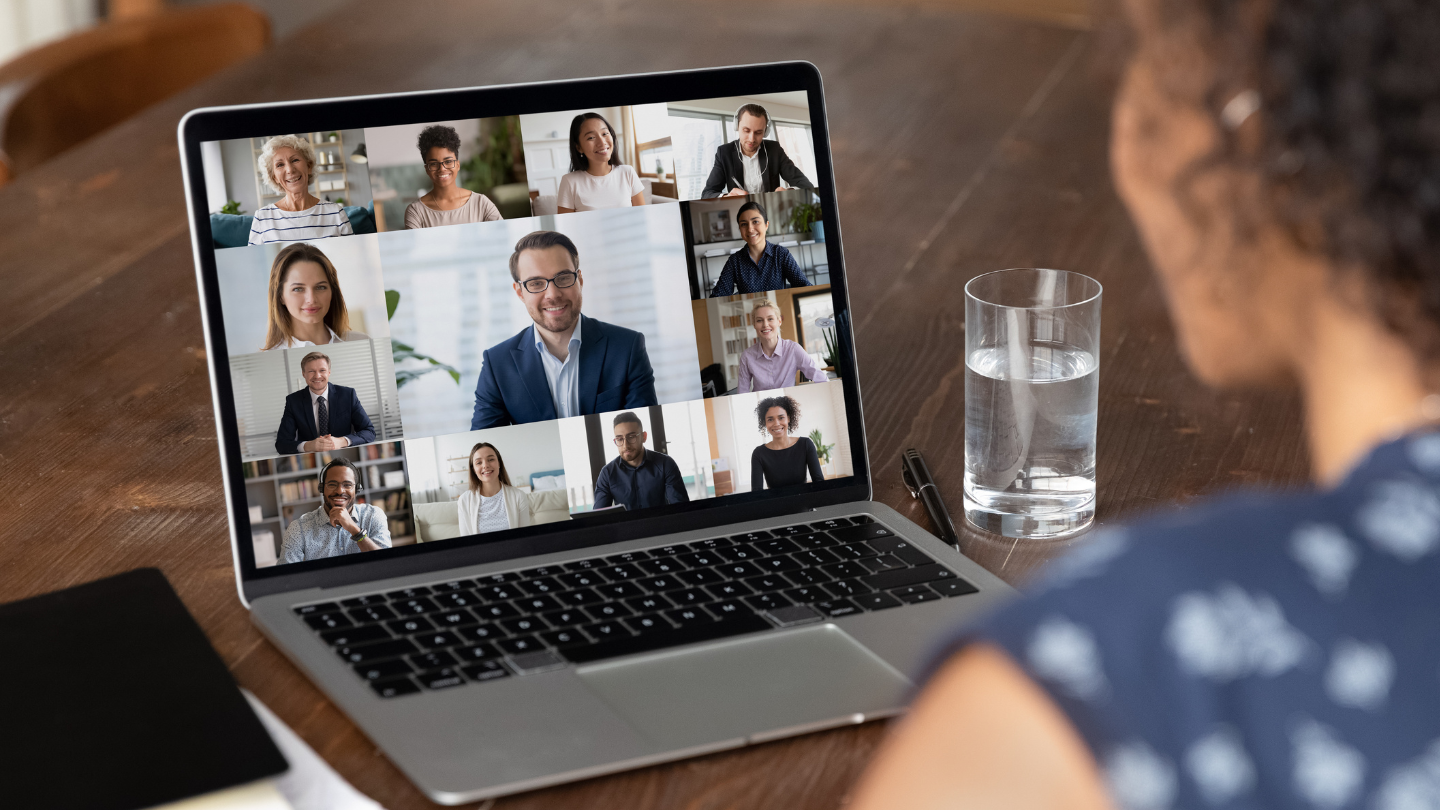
[751, 164]
[339, 526]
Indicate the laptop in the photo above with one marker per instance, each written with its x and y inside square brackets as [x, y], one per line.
[540, 421]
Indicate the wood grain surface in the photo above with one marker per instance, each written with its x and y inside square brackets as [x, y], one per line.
[962, 143]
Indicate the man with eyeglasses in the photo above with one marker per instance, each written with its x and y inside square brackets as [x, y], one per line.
[638, 478]
[339, 525]
[565, 364]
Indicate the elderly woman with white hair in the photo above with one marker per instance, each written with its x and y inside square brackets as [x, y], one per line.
[287, 163]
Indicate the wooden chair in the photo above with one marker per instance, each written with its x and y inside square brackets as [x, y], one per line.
[57, 95]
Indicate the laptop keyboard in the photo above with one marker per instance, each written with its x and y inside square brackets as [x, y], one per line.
[522, 622]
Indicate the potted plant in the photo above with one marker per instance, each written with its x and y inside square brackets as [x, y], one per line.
[808, 217]
[821, 449]
[832, 349]
[401, 352]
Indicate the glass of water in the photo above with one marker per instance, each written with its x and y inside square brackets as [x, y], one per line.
[1032, 379]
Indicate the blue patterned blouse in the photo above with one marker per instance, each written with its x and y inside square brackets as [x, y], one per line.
[1261, 651]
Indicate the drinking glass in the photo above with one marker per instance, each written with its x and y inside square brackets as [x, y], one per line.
[1032, 375]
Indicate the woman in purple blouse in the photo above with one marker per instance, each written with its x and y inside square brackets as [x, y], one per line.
[772, 361]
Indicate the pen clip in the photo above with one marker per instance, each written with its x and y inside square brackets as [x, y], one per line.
[908, 478]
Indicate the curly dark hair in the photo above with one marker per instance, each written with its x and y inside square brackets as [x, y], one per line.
[439, 136]
[792, 411]
[1346, 139]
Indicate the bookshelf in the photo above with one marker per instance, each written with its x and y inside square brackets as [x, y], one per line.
[285, 488]
[736, 333]
[330, 181]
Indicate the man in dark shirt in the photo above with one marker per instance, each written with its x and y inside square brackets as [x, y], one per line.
[760, 265]
[639, 478]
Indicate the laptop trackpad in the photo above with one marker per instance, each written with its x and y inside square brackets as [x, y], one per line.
[749, 686]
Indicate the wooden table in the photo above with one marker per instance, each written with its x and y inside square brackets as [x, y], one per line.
[962, 144]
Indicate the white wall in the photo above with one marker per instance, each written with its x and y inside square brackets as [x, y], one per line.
[396, 146]
[793, 106]
[525, 449]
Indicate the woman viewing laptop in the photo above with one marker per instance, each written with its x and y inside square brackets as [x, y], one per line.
[597, 178]
[491, 504]
[306, 305]
[287, 165]
[1281, 650]
[784, 460]
[447, 203]
[771, 362]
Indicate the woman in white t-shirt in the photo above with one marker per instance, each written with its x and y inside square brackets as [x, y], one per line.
[597, 178]
[287, 163]
[491, 504]
[306, 305]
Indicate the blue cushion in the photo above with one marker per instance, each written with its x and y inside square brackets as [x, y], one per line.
[230, 230]
[362, 217]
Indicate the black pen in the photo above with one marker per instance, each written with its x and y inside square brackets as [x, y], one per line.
[917, 479]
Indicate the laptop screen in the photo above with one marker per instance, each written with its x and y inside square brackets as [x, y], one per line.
[458, 331]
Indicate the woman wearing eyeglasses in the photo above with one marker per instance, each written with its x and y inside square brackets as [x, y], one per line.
[491, 504]
[447, 203]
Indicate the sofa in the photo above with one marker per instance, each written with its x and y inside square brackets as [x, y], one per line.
[233, 230]
[441, 521]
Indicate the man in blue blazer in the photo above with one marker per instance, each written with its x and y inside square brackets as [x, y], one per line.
[565, 364]
[321, 416]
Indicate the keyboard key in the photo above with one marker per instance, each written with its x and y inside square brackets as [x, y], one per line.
[627, 557]
[501, 610]
[606, 630]
[661, 565]
[497, 579]
[662, 583]
[667, 551]
[729, 608]
[395, 687]
[332, 620]
[538, 604]
[689, 596]
[440, 679]
[541, 586]
[623, 572]
[582, 596]
[564, 638]
[832, 523]
[791, 530]
[855, 534]
[875, 601]
[476, 652]
[408, 593]
[778, 565]
[405, 627]
[537, 661]
[569, 617]
[371, 614]
[901, 549]
[740, 551]
[607, 611]
[524, 625]
[630, 645]
[435, 659]
[321, 607]
[520, 644]
[853, 551]
[384, 669]
[363, 601]
[751, 537]
[861, 520]
[699, 576]
[542, 571]
[769, 583]
[485, 671]
[581, 579]
[835, 608]
[418, 606]
[646, 624]
[648, 604]
[484, 632]
[619, 590]
[886, 580]
[809, 576]
[454, 585]
[844, 570]
[376, 650]
[350, 636]
[729, 590]
[500, 593]
[585, 565]
[815, 556]
[953, 587]
[766, 601]
[457, 599]
[435, 640]
[924, 594]
[700, 559]
[450, 619]
[711, 544]
[739, 570]
[847, 587]
[885, 562]
[805, 596]
[777, 546]
[688, 616]
[815, 540]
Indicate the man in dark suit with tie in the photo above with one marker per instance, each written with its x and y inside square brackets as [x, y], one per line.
[566, 364]
[314, 414]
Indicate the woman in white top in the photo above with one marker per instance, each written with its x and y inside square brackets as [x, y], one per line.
[447, 203]
[491, 504]
[287, 163]
[597, 178]
[306, 306]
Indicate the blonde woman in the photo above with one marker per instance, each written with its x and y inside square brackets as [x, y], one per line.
[771, 362]
[287, 164]
[491, 504]
[306, 305]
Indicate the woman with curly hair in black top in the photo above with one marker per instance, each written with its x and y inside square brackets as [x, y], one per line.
[784, 460]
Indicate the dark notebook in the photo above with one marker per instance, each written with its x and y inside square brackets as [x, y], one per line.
[111, 698]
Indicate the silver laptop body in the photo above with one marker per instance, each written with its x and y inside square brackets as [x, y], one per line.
[801, 658]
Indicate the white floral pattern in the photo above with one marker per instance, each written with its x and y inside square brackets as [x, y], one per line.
[1066, 653]
[1414, 785]
[1328, 774]
[1424, 452]
[1360, 674]
[1327, 556]
[1231, 634]
[1220, 767]
[1402, 518]
[1090, 559]
[1139, 778]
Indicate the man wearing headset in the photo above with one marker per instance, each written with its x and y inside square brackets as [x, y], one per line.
[751, 164]
[339, 525]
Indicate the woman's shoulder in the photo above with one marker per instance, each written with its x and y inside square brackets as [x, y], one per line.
[515, 492]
